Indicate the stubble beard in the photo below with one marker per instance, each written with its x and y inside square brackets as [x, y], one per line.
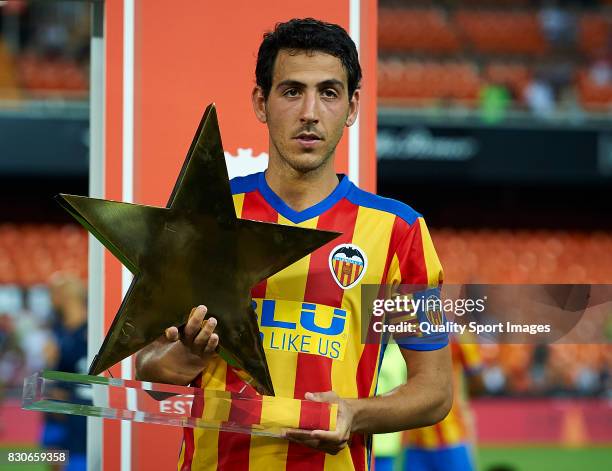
[304, 163]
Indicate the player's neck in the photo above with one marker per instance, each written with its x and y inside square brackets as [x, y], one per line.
[298, 190]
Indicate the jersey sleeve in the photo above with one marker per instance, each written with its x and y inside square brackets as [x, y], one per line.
[414, 262]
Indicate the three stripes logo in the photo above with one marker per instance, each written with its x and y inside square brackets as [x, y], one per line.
[348, 264]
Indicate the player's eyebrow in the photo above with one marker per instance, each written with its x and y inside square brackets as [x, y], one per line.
[291, 84]
[324, 84]
[331, 83]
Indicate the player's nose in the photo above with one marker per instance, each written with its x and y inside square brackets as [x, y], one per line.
[309, 109]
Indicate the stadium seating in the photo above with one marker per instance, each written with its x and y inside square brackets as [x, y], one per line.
[29, 254]
[47, 77]
[421, 82]
[594, 33]
[594, 96]
[515, 76]
[418, 30]
[435, 52]
[508, 32]
[524, 256]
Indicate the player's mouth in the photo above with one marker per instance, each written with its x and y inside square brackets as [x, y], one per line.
[308, 139]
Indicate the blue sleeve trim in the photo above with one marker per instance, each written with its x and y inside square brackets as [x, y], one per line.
[244, 184]
[369, 200]
[424, 347]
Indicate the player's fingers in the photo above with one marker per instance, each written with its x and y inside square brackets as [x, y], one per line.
[327, 396]
[194, 323]
[303, 441]
[201, 340]
[213, 341]
[332, 438]
[298, 434]
[172, 334]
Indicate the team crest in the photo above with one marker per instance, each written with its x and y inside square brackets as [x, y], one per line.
[433, 310]
[348, 264]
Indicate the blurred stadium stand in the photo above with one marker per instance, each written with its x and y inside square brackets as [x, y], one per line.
[449, 51]
[493, 120]
[44, 51]
[29, 254]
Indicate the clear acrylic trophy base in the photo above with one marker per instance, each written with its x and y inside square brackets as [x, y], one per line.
[181, 406]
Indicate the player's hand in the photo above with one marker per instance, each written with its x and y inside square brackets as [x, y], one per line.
[331, 442]
[198, 337]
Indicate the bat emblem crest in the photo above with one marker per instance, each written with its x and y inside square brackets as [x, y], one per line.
[348, 264]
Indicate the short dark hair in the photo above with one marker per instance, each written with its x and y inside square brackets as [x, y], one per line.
[310, 35]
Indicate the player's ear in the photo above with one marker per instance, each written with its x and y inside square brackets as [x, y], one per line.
[353, 109]
[259, 104]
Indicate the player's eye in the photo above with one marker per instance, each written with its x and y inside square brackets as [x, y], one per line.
[330, 93]
[291, 92]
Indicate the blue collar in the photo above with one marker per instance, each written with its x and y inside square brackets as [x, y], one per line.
[300, 216]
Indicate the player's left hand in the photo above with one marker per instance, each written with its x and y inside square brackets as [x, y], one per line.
[331, 442]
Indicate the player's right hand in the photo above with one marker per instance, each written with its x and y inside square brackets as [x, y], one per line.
[198, 336]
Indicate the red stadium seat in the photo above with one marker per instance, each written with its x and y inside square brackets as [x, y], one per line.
[594, 96]
[29, 254]
[419, 82]
[509, 32]
[593, 33]
[412, 30]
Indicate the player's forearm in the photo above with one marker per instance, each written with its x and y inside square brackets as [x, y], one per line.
[411, 405]
[164, 362]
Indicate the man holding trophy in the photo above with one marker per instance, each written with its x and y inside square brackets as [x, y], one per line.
[309, 314]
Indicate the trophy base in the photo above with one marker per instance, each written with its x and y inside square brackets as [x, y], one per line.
[180, 406]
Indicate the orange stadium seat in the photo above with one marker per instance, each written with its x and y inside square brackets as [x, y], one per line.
[593, 96]
[524, 256]
[594, 32]
[412, 30]
[52, 77]
[29, 254]
[510, 32]
[419, 82]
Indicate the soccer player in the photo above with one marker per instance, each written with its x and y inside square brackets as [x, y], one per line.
[307, 92]
[448, 445]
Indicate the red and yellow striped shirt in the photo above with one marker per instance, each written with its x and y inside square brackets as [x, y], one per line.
[310, 319]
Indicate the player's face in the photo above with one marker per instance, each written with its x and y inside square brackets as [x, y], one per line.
[307, 109]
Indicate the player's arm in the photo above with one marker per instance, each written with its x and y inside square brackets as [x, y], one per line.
[176, 358]
[423, 400]
[426, 397]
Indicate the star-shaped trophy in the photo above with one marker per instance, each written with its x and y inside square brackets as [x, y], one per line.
[194, 251]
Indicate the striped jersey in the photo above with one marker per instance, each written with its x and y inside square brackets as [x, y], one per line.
[457, 427]
[310, 319]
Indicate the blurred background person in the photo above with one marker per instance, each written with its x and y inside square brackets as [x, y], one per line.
[387, 446]
[12, 360]
[67, 352]
[450, 444]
